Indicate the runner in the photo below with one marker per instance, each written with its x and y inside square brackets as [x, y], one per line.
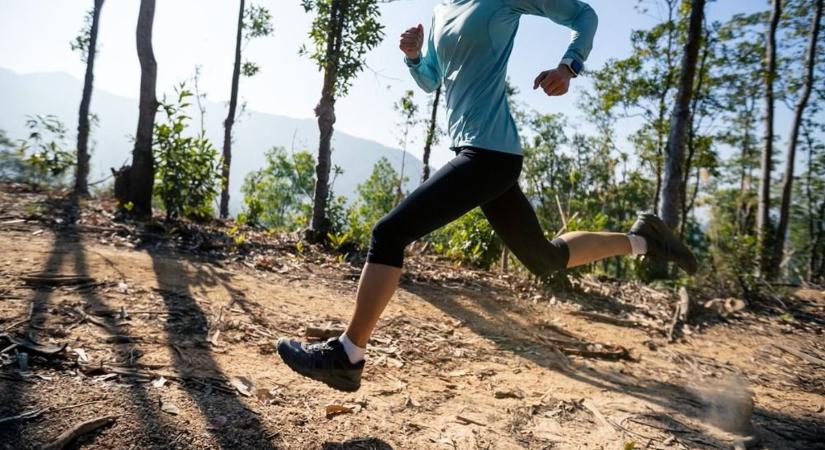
[468, 46]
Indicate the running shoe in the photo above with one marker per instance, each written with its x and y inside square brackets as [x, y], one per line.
[662, 243]
[326, 362]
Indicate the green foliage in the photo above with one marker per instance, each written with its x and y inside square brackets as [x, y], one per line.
[469, 239]
[43, 157]
[408, 111]
[279, 195]
[733, 254]
[81, 42]
[375, 199]
[257, 23]
[187, 168]
[12, 166]
[360, 31]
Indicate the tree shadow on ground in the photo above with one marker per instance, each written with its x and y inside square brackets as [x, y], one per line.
[494, 320]
[67, 257]
[359, 443]
[175, 287]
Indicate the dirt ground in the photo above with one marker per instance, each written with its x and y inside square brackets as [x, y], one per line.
[179, 348]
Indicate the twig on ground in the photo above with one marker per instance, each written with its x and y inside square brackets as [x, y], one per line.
[78, 430]
[680, 315]
[799, 354]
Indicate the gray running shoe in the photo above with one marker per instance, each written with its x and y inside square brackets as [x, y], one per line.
[662, 243]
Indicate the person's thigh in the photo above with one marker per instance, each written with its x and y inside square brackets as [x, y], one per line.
[513, 218]
[468, 180]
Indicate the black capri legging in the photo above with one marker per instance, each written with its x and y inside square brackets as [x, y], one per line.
[475, 177]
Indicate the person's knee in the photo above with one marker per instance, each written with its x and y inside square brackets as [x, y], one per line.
[386, 243]
[547, 259]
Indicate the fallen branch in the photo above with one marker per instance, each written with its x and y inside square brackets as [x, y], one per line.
[21, 321]
[801, 355]
[32, 346]
[597, 414]
[608, 319]
[465, 419]
[68, 436]
[55, 279]
[35, 413]
[679, 315]
[323, 333]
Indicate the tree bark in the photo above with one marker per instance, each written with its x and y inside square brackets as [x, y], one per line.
[142, 171]
[790, 157]
[687, 206]
[657, 166]
[81, 182]
[428, 143]
[764, 205]
[670, 207]
[230, 118]
[325, 112]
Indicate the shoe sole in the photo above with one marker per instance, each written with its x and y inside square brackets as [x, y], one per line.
[661, 229]
[337, 383]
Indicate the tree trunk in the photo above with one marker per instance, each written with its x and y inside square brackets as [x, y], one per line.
[142, 172]
[764, 205]
[325, 112]
[81, 182]
[657, 166]
[812, 220]
[670, 207]
[428, 144]
[687, 206]
[787, 179]
[230, 119]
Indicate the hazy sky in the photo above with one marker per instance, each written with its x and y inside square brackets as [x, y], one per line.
[35, 35]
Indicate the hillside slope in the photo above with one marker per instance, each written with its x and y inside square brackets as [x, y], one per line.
[176, 341]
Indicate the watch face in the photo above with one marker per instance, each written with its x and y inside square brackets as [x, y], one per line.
[576, 66]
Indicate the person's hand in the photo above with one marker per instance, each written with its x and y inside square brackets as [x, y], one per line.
[411, 42]
[555, 81]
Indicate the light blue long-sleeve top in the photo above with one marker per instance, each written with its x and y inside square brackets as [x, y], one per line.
[468, 47]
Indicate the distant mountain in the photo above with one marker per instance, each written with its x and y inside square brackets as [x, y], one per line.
[59, 94]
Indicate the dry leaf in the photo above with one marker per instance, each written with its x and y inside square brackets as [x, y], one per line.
[169, 408]
[336, 409]
[242, 385]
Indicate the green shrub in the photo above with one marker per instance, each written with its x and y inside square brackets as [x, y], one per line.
[187, 168]
[41, 158]
[280, 194]
[469, 239]
[376, 197]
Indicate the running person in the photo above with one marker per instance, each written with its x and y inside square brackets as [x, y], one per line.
[468, 46]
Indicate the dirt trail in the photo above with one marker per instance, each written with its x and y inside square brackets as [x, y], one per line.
[451, 366]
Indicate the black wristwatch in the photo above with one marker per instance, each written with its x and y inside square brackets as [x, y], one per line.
[574, 66]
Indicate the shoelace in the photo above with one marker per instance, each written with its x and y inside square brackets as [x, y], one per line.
[321, 347]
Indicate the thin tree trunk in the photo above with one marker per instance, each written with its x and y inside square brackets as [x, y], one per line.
[670, 207]
[691, 141]
[657, 167]
[230, 118]
[81, 182]
[142, 172]
[399, 188]
[764, 206]
[428, 144]
[325, 112]
[787, 179]
[809, 193]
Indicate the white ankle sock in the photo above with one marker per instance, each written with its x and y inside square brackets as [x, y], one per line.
[354, 352]
[638, 244]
